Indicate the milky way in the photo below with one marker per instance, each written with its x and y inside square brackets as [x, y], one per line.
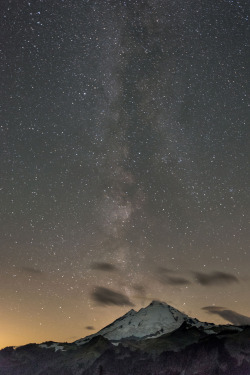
[124, 162]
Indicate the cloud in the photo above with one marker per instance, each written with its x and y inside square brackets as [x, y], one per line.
[173, 280]
[215, 278]
[139, 289]
[164, 270]
[165, 279]
[30, 271]
[103, 266]
[229, 315]
[90, 328]
[105, 296]
[176, 281]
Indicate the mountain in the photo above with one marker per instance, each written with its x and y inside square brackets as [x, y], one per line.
[149, 322]
[157, 340]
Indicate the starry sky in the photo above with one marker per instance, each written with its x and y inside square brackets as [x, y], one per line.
[124, 163]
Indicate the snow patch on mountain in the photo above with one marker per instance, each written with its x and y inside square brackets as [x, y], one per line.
[55, 346]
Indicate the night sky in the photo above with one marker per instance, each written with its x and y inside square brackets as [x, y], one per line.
[124, 163]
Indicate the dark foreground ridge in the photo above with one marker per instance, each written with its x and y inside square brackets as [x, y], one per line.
[190, 349]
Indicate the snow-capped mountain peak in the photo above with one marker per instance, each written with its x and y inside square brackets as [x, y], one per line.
[152, 321]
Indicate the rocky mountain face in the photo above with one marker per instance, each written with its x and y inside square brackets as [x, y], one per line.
[156, 340]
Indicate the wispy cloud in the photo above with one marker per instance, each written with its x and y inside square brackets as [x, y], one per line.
[215, 278]
[105, 296]
[167, 277]
[164, 270]
[229, 315]
[30, 271]
[140, 289]
[90, 328]
[103, 266]
[174, 280]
